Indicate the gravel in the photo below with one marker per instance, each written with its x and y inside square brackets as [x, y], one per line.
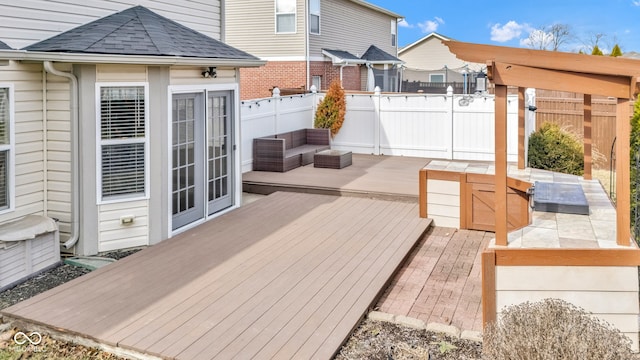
[377, 340]
[50, 279]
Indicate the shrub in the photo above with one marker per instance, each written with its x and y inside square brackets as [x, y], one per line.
[331, 111]
[551, 148]
[552, 329]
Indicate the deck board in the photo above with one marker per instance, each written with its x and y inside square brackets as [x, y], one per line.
[287, 276]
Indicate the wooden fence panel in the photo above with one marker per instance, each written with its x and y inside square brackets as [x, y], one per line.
[566, 110]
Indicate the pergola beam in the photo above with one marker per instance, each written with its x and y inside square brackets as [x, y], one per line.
[552, 60]
[623, 163]
[587, 141]
[526, 76]
[521, 127]
[501, 165]
[576, 73]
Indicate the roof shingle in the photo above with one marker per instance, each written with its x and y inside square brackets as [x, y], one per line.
[4, 46]
[138, 31]
[374, 53]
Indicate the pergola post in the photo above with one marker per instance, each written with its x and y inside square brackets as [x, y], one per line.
[501, 164]
[623, 196]
[588, 153]
[521, 127]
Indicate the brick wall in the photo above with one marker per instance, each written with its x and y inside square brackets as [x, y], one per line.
[257, 82]
[329, 72]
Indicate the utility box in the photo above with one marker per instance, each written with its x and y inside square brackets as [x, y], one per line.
[560, 198]
[27, 246]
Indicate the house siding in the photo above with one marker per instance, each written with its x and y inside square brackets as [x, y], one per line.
[26, 80]
[115, 235]
[58, 113]
[111, 233]
[345, 25]
[250, 26]
[36, 20]
[432, 54]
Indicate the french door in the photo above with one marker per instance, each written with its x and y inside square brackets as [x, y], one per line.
[202, 156]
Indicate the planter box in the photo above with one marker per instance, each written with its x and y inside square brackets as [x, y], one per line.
[27, 246]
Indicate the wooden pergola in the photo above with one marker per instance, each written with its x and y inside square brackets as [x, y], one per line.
[578, 73]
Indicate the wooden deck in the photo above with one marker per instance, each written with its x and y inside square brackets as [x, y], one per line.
[373, 176]
[288, 276]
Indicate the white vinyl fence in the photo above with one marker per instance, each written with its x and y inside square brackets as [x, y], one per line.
[453, 127]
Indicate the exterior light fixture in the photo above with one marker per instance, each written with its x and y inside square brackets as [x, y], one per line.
[481, 82]
[210, 72]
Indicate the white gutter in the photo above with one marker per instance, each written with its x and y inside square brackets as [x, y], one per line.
[124, 59]
[75, 188]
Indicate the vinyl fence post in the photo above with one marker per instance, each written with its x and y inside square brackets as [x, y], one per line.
[377, 120]
[450, 116]
[276, 109]
[314, 104]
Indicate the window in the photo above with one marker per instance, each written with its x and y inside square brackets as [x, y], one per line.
[285, 16]
[314, 16]
[6, 147]
[122, 145]
[394, 32]
[437, 78]
[316, 80]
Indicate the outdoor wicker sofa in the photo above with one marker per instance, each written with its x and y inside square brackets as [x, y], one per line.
[286, 151]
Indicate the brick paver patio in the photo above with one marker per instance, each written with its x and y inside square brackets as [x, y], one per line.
[441, 281]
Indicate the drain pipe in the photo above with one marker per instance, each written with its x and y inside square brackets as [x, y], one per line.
[75, 204]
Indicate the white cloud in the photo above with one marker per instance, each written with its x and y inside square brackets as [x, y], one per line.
[403, 23]
[508, 31]
[430, 26]
[636, 2]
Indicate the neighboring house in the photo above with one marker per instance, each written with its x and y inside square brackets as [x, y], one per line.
[431, 67]
[313, 42]
[122, 122]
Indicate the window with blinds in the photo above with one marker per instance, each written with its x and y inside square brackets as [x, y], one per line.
[123, 142]
[285, 16]
[314, 17]
[5, 146]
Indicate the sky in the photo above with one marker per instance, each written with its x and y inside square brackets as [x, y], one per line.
[509, 22]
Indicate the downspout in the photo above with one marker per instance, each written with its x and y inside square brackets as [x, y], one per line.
[45, 152]
[75, 204]
[307, 45]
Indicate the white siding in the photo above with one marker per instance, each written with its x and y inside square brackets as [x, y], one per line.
[35, 20]
[59, 150]
[189, 75]
[113, 234]
[443, 202]
[250, 26]
[345, 25]
[432, 54]
[29, 171]
[609, 292]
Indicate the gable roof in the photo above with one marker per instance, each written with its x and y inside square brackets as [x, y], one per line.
[423, 39]
[342, 57]
[138, 31]
[376, 55]
[4, 46]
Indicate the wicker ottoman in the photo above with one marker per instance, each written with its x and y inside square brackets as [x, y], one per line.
[332, 159]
